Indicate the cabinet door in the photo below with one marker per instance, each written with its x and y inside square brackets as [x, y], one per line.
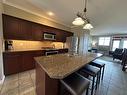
[12, 63]
[37, 33]
[25, 29]
[11, 27]
[28, 61]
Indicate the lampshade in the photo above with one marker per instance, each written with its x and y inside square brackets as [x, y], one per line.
[78, 21]
[88, 26]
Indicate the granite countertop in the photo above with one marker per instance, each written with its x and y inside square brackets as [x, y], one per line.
[61, 65]
[6, 51]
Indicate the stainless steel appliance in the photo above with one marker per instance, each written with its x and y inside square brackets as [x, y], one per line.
[8, 45]
[49, 36]
[72, 44]
[51, 52]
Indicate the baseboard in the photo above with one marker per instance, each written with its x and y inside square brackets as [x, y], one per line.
[2, 80]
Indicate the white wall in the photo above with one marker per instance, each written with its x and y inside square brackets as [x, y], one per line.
[1, 43]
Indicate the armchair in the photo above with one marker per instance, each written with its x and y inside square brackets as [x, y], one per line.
[118, 54]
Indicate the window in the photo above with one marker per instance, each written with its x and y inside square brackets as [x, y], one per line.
[125, 44]
[104, 41]
[115, 44]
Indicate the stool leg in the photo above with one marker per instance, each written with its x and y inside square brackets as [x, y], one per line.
[97, 81]
[92, 86]
[103, 72]
[87, 91]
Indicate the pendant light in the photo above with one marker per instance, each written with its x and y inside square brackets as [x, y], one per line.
[82, 19]
[78, 21]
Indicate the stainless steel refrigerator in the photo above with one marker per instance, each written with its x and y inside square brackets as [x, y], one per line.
[72, 44]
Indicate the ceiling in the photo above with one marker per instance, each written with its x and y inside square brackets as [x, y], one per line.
[107, 16]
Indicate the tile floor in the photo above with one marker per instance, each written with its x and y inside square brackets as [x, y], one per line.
[114, 83]
[19, 84]
[115, 80]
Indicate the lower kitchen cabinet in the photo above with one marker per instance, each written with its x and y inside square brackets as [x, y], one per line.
[15, 62]
[12, 63]
[28, 61]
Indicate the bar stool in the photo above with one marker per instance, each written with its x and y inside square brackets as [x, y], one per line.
[94, 72]
[76, 84]
[100, 64]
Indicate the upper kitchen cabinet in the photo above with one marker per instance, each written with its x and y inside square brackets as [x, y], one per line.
[19, 29]
[16, 29]
[11, 27]
[37, 33]
[25, 29]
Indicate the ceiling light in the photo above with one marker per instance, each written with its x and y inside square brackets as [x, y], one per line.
[82, 18]
[88, 26]
[50, 13]
[78, 21]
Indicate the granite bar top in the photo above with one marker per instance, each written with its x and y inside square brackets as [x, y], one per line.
[6, 51]
[61, 65]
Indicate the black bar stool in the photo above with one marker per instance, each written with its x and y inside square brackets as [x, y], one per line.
[76, 84]
[100, 64]
[92, 71]
[124, 60]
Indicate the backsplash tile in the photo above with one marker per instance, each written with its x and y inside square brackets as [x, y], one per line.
[35, 45]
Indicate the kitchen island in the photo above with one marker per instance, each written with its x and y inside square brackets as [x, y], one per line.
[50, 69]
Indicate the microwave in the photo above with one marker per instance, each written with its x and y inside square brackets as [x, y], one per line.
[49, 36]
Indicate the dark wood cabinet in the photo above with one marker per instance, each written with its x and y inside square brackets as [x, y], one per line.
[19, 29]
[11, 27]
[12, 63]
[37, 33]
[15, 28]
[25, 29]
[15, 62]
[28, 61]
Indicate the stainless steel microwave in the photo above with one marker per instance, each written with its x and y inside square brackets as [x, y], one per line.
[49, 36]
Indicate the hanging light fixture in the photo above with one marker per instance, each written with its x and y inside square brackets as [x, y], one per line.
[82, 19]
[78, 21]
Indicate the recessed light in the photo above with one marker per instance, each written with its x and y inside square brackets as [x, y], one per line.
[50, 13]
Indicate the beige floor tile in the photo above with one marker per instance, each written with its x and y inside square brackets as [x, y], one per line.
[1, 86]
[26, 90]
[11, 78]
[31, 92]
[32, 71]
[33, 77]
[13, 92]
[25, 74]
[26, 81]
[9, 85]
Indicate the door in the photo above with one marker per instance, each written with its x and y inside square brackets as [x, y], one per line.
[116, 44]
[125, 44]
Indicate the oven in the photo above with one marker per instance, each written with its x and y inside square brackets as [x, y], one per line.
[51, 52]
